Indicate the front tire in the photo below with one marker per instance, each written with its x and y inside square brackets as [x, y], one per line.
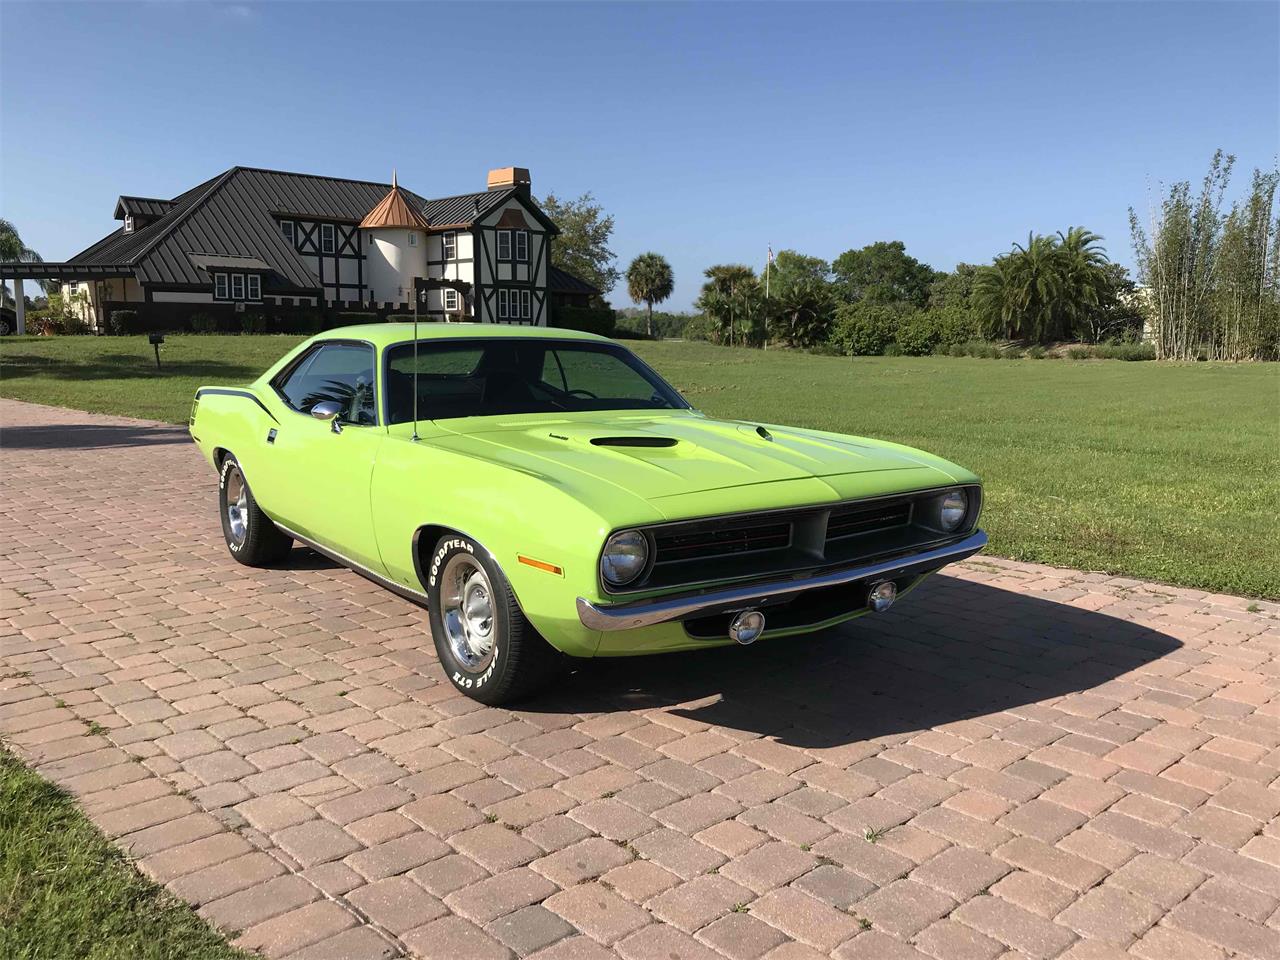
[487, 647]
[251, 536]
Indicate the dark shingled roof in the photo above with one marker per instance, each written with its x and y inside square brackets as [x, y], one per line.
[561, 281]
[235, 215]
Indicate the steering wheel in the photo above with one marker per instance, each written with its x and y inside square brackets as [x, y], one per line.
[579, 392]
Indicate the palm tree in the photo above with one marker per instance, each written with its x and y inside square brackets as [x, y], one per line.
[12, 249]
[1086, 284]
[726, 298]
[649, 281]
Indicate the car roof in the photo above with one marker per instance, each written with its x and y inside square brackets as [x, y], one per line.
[384, 334]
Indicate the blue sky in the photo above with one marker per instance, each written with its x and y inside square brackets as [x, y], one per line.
[709, 131]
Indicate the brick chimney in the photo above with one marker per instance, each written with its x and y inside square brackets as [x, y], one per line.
[504, 178]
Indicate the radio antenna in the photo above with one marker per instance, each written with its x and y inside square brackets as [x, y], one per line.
[415, 358]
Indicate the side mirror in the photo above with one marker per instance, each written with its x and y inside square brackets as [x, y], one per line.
[328, 410]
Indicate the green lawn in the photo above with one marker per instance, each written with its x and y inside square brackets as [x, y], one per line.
[66, 892]
[1162, 471]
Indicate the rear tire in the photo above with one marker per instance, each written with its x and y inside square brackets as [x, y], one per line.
[487, 647]
[251, 536]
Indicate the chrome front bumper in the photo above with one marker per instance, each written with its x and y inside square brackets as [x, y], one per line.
[647, 613]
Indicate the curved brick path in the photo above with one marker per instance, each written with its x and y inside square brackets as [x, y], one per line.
[1016, 762]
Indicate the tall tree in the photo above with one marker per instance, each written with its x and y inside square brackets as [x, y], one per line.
[883, 272]
[727, 302]
[953, 289]
[13, 249]
[649, 281]
[1045, 290]
[789, 265]
[802, 310]
[582, 248]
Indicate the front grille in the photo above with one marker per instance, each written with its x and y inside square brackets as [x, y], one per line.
[728, 540]
[792, 541]
[858, 519]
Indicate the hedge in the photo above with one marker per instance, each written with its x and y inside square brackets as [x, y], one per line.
[598, 320]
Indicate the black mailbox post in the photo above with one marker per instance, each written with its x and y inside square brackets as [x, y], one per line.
[157, 339]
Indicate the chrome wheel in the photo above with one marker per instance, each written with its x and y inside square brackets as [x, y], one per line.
[237, 505]
[466, 608]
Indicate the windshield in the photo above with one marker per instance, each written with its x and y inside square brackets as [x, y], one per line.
[489, 377]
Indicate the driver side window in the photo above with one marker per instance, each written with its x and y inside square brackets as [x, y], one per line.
[341, 372]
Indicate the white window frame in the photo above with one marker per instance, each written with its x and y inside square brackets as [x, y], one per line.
[221, 291]
[237, 286]
[289, 231]
[504, 236]
[522, 246]
[328, 238]
[252, 287]
[526, 305]
[128, 223]
[450, 300]
[503, 300]
[413, 238]
[449, 245]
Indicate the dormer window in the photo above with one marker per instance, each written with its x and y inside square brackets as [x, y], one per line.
[128, 223]
[220, 286]
[286, 231]
[326, 238]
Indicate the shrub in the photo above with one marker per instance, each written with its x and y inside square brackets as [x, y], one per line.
[1078, 352]
[864, 330]
[122, 322]
[954, 324]
[203, 323]
[253, 323]
[1125, 351]
[981, 349]
[917, 334]
[1036, 352]
[892, 349]
[699, 327]
[599, 320]
[351, 318]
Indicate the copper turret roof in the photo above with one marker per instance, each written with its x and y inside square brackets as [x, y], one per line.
[394, 210]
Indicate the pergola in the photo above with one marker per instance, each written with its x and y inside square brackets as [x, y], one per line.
[18, 271]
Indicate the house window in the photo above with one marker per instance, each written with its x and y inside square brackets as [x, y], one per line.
[128, 223]
[286, 231]
[413, 239]
[526, 305]
[522, 246]
[450, 300]
[237, 286]
[326, 238]
[253, 283]
[502, 304]
[450, 241]
[219, 286]
[504, 244]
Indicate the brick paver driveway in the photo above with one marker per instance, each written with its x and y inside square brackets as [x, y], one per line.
[1017, 762]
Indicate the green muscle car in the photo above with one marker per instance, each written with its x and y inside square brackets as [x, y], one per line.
[545, 493]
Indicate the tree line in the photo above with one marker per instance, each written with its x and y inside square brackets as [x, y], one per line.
[1207, 286]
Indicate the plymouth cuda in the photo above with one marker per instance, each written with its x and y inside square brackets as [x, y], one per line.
[547, 495]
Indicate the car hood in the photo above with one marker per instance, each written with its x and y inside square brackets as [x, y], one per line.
[666, 458]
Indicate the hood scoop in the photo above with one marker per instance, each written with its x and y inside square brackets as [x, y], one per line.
[634, 441]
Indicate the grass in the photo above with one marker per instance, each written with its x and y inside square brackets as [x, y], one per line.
[1160, 471]
[66, 892]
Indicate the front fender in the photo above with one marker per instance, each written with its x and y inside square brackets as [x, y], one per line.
[510, 513]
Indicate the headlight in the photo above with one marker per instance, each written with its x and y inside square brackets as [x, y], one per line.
[624, 558]
[954, 507]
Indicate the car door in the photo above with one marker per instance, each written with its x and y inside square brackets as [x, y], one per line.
[323, 467]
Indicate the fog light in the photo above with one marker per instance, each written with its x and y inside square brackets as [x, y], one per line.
[882, 596]
[746, 627]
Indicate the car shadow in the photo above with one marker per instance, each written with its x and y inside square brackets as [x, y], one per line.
[84, 436]
[951, 650]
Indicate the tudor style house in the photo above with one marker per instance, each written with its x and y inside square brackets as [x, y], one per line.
[252, 239]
